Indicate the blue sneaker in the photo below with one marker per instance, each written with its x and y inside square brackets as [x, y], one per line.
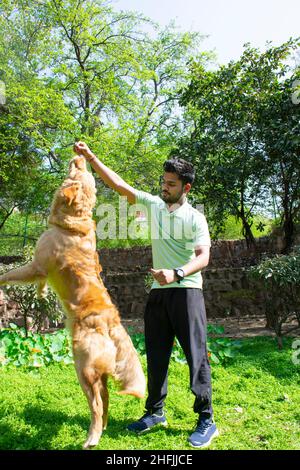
[204, 433]
[148, 421]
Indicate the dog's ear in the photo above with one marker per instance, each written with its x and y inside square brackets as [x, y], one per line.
[70, 192]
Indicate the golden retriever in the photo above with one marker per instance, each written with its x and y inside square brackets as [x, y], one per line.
[66, 259]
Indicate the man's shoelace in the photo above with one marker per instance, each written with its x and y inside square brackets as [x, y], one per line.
[148, 418]
[202, 427]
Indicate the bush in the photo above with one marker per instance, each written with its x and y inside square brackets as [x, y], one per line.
[220, 350]
[19, 347]
[280, 278]
[30, 304]
[34, 350]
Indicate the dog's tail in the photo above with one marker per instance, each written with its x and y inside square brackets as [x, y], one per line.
[128, 369]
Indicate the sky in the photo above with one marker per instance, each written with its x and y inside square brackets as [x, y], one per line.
[229, 23]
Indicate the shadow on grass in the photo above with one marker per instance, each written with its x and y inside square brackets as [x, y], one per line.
[117, 428]
[44, 425]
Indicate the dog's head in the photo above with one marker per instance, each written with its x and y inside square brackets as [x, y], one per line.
[71, 193]
[84, 194]
[76, 197]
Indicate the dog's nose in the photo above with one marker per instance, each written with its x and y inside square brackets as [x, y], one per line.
[80, 162]
[77, 163]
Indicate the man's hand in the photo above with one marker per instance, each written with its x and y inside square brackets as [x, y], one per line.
[82, 149]
[164, 276]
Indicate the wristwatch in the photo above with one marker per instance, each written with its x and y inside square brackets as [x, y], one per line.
[179, 273]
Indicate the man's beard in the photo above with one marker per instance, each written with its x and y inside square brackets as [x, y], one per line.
[166, 197]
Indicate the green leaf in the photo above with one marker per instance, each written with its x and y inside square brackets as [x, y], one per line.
[214, 358]
[229, 353]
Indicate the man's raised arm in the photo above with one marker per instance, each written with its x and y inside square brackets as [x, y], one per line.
[107, 175]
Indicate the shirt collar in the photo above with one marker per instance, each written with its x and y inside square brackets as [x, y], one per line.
[164, 207]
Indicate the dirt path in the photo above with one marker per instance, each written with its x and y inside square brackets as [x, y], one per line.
[233, 327]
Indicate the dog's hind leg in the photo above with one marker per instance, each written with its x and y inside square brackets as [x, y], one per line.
[128, 367]
[105, 399]
[28, 274]
[90, 383]
[94, 356]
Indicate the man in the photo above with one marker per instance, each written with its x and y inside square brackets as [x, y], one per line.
[180, 249]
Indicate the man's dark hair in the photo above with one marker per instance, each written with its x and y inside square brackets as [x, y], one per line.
[183, 169]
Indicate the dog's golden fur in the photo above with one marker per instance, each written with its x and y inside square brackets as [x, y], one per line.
[66, 259]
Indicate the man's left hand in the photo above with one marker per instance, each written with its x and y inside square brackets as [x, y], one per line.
[163, 276]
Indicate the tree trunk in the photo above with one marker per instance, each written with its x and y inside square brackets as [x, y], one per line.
[8, 214]
[288, 227]
[288, 223]
[279, 342]
[247, 233]
[25, 316]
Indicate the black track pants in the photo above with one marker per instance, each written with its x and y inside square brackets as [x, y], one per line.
[177, 312]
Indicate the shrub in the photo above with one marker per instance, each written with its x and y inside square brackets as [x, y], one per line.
[280, 279]
[34, 350]
[30, 305]
[19, 347]
[220, 350]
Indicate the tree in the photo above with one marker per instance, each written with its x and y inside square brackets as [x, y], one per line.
[280, 131]
[228, 138]
[29, 128]
[34, 118]
[82, 70]
[120, 84]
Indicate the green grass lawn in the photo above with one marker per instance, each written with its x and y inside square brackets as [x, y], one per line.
[256, 401]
